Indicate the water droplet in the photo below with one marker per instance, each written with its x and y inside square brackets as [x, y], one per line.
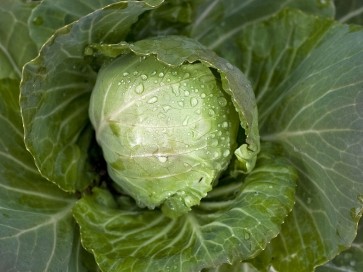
[153, 73]
[186, 75]
[119, 83]
[166, 108]
[161, 74]
[144, 77]
[225, 125]
[247, 235]
[198, 111]
[193, 101]
[139, 89]
[38, 20]
[202, 86]
[88, 51]
[222, 101]
[174, 73]
[202, 95]
[226, 153]
[135, 73]
[211, 112]
[162, 158]
[181, 103]
[229, 66]
[186, 120]
[186, 93]
[175, 89]
[216, 155]
[214, 142]
[152, 100]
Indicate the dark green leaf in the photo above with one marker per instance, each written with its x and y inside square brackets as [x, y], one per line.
[55, 94]
[50, 15]
[217, 23]
[220, 230]
[16, 47]
[307, 73]
[350, 260]
[37, 231]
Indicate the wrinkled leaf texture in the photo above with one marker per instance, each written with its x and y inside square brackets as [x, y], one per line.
[37, 231]
[309, 93]
[329, 199]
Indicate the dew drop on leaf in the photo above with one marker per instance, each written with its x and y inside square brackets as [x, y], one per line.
[162, 158]
[176, 90]
[144, 77]
[140, 89]
[222, 101]
[214, 142]
[216, 154]
[226, 153]
[229, 66]
[186, 120]
[193, 101]
[152, 100]
[38, 20]
[166, 108]
[225, 125]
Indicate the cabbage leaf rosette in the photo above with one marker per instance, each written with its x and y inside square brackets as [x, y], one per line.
[158, 137]
[167, 120]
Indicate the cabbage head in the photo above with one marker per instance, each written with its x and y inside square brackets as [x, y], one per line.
[169, 130]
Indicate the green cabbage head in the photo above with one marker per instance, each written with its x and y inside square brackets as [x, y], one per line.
[167, 131]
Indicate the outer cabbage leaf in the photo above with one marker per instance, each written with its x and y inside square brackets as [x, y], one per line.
[16, 48]
[216, 23]
[56, 87]
[234, 222]
[50, 15]
[351, 260]
[37, 231]
[349, 11]
[307, 73]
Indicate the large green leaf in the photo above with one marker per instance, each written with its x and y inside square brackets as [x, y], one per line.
[16, 48]
[56, 87]
[50, 15]
[217, 22]
[234, 222]
[307, 73]
[37, 231]
[350, 260]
